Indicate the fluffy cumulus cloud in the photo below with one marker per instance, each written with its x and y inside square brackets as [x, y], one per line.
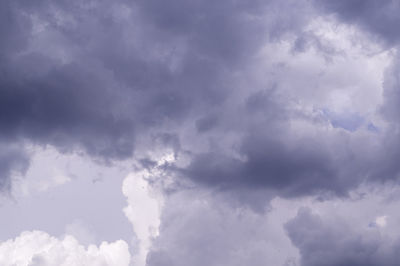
[39, 248]
[251, 102]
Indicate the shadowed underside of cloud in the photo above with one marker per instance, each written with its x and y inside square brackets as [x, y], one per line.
[96, 77]
[91, 77]
[295, 171]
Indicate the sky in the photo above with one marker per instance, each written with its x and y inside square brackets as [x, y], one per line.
[191, 133]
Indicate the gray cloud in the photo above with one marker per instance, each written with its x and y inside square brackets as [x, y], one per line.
[269, 163]
[230, 88]
[333, 242]
[90, 78]
[268, 158]
[13, 160]
[97, 77]
[199, 229]
[378, 17]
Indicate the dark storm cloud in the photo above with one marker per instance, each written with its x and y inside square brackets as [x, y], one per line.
[336, 243]
[265, 156]
[64, 109]
[48, 102]
[92, 76]
[96, 76]
[268, 157]
[378, 17]
[225, 30]
[269, 163]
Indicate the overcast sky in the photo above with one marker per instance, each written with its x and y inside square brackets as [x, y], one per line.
[192, 133]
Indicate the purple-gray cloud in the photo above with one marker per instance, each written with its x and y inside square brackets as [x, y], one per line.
[94, 77]
[218, 82]
[378, 17]
[336, 243]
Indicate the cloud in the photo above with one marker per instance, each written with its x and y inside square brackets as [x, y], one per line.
[143, 211]
[391, 94]
[94, 77]
[253, 101]
[201, 228]
[39, 248]
[334, 242]
[377, 17]
[13, 160]
[226, 84]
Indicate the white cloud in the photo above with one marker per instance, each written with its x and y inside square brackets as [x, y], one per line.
[144, 207]
[143, 212]
[40, 249]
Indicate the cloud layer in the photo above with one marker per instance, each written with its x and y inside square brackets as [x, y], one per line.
[252, 101]
[101, 77]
